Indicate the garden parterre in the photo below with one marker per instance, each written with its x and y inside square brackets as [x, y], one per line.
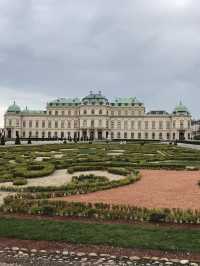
[24, 162]
[43, 160]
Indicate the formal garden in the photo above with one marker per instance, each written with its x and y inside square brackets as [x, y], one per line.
[40, 179]
[136, 183]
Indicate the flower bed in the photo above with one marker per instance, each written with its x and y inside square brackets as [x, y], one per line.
[99, 211]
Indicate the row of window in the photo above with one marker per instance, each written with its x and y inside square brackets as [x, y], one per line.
[126, 125]
[96, 112]
[117, 135]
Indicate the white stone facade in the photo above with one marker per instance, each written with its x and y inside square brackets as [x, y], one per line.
[94, 117]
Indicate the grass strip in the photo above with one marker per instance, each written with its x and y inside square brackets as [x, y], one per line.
[118, 235]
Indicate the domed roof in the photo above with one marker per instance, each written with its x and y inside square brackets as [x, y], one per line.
[180, 108]
[95, 98]
[14, 108]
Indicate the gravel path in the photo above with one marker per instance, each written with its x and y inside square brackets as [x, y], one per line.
[61, 177]
[157, 188]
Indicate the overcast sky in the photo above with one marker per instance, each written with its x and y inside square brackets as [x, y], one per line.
[65, 48]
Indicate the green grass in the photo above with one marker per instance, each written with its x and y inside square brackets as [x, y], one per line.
[126, 236]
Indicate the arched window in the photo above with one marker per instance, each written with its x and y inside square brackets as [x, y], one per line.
[92, 111]
[100, 112]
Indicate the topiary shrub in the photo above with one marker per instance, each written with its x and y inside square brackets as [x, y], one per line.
[35, 167]
[157, 217]
[20, 182]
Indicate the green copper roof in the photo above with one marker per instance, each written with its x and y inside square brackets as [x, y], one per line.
[14, 108]
[126, 101]
[180, 108]
[64, 102]
[95, 98]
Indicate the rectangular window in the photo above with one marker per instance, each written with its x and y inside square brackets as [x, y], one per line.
[62, 124]
[160, 125]
[24, 123]
[146, 124]
[168, 125]
[36, 124]
[153, 125]
[56, 124]
[30, 124]
[43, 124]
[139, 125]
[168, 135]
[49, 124]
[125, 125]
[119, 125]
[132, 135]
[132, 124]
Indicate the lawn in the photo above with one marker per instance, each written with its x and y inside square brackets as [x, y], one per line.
[118, 235]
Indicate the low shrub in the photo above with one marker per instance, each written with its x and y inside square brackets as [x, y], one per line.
[17, 204]
[19, 182]
[118, 171]
[89, 178]
[35, 167]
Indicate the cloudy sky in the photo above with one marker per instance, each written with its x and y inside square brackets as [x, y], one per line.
[64, 48]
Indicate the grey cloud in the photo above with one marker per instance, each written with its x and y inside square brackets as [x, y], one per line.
[148, 49]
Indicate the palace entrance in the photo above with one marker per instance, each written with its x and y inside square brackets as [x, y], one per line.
[92, 135]
[9, 133]
[181, 135]
[84, 134]
[100, 135]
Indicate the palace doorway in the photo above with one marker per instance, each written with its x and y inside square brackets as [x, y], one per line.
[100, 135]
[182, 135]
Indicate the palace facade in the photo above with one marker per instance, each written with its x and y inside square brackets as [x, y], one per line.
[95, 117]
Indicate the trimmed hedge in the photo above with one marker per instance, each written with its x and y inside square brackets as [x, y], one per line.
[19, 182]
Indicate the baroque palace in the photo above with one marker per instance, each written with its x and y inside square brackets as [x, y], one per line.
[95, 117]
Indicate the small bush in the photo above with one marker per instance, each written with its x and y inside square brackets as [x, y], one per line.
[20, 182]
[157, 217]
[118, 171]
